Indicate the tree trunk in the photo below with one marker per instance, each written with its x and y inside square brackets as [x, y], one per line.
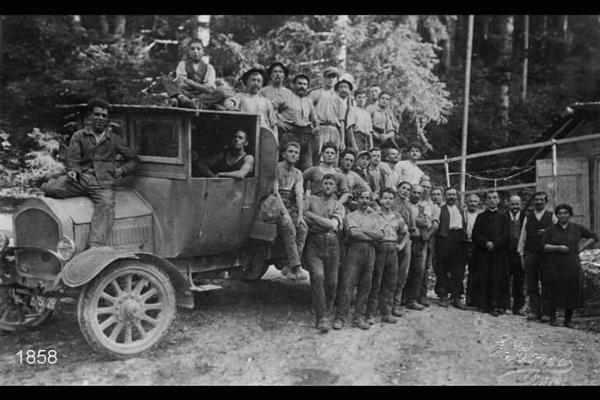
[120, 24]
[525, 58]
[1, 29]
[486, 27]
[342, 25]
[104, 28]
[544, 33]
[449, 44]
[504, 61]
[203, 32]
[564, 27]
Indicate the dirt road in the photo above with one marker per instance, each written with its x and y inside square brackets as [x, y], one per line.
[263, 334]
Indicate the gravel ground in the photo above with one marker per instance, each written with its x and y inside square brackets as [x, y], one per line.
[263, 333]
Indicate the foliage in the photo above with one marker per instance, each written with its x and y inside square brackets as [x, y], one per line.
[22, 172]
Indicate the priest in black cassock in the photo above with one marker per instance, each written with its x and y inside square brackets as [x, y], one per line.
[490, 282]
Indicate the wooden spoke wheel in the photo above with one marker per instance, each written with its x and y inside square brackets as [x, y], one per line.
[16, 312]
[126, 309]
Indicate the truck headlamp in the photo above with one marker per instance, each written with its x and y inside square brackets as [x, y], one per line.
[65, 248]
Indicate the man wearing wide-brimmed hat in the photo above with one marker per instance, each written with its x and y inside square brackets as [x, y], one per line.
[275, 91]
[253, 102]
[330, 109]
[298, 122]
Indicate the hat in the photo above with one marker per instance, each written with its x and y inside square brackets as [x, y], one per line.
[301, 75]
[363, 153]
[331, 70]
[254, 70]
[345, 78]
[286, 71]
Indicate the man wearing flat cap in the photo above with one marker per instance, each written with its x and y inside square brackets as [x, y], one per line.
[298, 122]
[275, 91]
[253, 102]
[330, 110]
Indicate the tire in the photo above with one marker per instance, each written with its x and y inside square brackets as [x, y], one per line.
[20, 316]
[136, 331]
[254, 272]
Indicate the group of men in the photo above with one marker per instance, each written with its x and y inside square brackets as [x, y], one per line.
[353, 220]
[337, 112]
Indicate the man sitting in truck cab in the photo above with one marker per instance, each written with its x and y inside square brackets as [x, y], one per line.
[234, 162]
[92, 170]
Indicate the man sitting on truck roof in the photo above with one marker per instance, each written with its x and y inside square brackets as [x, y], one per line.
[231, 163]
[92, 170]
[194, 85]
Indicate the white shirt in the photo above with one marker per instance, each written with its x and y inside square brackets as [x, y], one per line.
[515, 217]
[523, 236]
[456, 221]
[470, 217]
[406, 171]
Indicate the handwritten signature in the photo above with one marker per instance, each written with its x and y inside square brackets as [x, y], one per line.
[538, 368]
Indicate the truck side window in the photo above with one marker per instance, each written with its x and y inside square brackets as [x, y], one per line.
[156, 138]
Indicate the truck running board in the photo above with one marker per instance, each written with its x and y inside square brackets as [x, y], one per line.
[205, 288]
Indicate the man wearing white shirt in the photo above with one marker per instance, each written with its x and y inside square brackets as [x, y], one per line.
[515, 264]
[407, 170]
[470, 216]
[530, 247]
[450, 251]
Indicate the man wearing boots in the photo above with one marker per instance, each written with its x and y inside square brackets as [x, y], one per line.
[324, 216]
[535, 224]
[385, 274]
[363, 227]
[450, 251]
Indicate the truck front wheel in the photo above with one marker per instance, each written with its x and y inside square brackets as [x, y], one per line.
[127, 308]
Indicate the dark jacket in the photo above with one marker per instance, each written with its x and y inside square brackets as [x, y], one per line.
[444, 226]
[99, 159]
[491, 227]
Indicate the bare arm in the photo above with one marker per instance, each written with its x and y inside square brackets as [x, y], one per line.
[242, 173]
[324, 223]
[358, 234]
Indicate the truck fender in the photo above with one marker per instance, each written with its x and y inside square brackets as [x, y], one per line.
[87, 265]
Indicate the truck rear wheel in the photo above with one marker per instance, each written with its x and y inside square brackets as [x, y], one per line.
[127, 308]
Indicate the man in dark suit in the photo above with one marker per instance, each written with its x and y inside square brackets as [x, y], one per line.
[450, 252]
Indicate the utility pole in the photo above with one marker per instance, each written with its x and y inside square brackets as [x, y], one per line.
[463, 161]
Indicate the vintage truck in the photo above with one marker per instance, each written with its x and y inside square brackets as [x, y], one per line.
[172, 230]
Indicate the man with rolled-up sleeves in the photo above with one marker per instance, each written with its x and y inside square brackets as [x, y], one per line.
[324, 215]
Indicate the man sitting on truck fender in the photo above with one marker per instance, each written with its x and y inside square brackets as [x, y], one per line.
[92, 170]
[232, 163]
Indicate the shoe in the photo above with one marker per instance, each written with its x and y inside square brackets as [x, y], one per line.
[173, 102]
[323, 325]
[397, 312]
[300, 273]
[389, 319]
[413, 305]
[370, 320]
[337, 324]
[444, 302]
[361, 323]
[458, 304]
[532, 317]
[424, 302]
[287, 272]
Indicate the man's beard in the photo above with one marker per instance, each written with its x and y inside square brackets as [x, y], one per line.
[301, 92]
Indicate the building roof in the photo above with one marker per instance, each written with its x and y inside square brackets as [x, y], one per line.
[562, 126]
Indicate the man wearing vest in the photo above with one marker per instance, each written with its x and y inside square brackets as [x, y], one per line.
[194, 84]
[514, 259]
[531, 249]
[450, 252]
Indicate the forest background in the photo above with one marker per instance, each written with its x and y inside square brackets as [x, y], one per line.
[516, 89]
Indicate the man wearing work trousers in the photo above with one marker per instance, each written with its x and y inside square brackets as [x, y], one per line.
[324, 216]
[363, 227]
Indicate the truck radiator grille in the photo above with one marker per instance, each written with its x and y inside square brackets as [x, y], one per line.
[36, 228]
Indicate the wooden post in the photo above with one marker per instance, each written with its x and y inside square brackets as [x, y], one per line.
[463, 163]
[554, 170]
[447, 168]
[525, 58]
